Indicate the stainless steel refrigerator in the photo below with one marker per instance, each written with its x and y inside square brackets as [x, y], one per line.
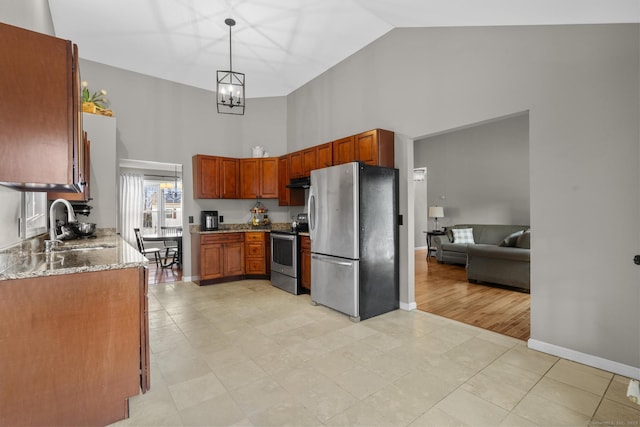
[353, 225]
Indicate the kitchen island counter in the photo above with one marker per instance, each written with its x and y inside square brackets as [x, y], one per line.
[106, 252]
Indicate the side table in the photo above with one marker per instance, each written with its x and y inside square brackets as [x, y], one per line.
[430, 234]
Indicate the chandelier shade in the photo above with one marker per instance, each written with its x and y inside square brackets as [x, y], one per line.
[230, 85]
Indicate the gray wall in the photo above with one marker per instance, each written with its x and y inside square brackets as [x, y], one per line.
[33, 15]
[479, 174]
[580, 85]
[162, 121]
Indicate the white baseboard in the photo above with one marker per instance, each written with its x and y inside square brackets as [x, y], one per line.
[190, 278]
[417, 248]
[586, 359]
[408, 306]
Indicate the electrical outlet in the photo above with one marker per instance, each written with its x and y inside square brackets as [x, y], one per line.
[220, 218]
[190, 219]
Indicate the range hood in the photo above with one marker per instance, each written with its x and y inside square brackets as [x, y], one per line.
[304, 182]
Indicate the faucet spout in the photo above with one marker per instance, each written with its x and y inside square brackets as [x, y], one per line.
[71, 217]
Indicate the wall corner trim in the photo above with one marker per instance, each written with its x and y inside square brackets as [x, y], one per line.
[408, 306]
[586, 359]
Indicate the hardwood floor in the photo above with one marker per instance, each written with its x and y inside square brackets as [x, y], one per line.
[164, 275]
[443, 289]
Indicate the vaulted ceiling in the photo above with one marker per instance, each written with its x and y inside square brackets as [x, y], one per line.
[282, 44]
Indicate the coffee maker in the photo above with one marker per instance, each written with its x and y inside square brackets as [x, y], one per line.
[208, 220]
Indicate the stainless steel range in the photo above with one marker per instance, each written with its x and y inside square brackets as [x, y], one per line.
[285, 256]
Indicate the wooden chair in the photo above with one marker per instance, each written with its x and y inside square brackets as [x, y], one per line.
[145, 252]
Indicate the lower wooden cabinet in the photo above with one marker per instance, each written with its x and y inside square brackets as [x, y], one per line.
[305, 262]
[74, 347]
[221, 255]
[255, 250]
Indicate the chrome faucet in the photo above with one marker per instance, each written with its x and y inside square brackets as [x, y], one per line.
[71, 217]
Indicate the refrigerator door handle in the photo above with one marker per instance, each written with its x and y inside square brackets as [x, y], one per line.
[332, 261]
[312, 213]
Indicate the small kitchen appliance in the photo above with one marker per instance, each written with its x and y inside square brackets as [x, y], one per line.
[208, 220]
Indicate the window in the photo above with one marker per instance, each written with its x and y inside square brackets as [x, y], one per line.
[162, 204]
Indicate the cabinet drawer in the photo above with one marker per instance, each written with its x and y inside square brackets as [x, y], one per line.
[254, 237]
[254, 249]
[221, 238]
[255, 266]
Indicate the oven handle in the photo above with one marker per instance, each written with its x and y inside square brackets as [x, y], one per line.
[283, 236]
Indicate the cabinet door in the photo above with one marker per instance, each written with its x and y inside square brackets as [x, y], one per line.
[283, 180]
[233, 259]
[308, 161]
[375, 147]
[229, 179]
[206, 177]
[211, 261]
[85, 195]
[249, 178]
[344, 150]
[296, 165]
[305, 262]
[324, 155]
[269, 178]
[39, 113]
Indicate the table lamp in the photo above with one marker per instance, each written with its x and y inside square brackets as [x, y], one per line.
[436, 212]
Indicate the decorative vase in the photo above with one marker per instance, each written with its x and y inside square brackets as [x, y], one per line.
[89, 107]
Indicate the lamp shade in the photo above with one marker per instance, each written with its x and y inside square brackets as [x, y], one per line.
[436, 212]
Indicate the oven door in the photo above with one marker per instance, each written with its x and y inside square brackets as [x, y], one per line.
[284, 254]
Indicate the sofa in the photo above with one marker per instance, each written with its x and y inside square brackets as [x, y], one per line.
[499, 253]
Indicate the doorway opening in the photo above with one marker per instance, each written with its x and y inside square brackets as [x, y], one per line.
[151, 200]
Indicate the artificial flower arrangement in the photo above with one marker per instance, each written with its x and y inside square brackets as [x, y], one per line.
[94, 103]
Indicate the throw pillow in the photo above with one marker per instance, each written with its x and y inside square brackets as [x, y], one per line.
[524, 241]
[463, 235]
[511, 239]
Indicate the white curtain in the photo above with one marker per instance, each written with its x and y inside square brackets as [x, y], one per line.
[132, 204]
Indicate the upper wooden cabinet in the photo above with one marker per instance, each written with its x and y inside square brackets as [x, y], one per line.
[287, 196]
[259, 178]
[308, 161]
[40, 112]
[375, 147]
[229, 186]
[344, 150]
[215, 177]
[85, 195]
[324, 155]
[296, 165]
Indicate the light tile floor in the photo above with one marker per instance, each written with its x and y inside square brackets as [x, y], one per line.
[248, 354]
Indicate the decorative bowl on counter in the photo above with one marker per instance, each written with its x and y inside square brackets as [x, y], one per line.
[83, 229]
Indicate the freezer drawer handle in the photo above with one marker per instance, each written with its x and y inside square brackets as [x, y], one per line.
[331, 261]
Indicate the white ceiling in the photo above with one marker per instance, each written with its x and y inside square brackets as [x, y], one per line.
[282, 44]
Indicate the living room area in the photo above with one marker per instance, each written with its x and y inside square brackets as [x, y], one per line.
[477, 178]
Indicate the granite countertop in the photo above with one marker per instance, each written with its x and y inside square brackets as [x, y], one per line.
[106, 252]
[239, 228]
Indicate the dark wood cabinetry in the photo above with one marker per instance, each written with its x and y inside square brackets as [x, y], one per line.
[40, 112]
[255, 250]
[305, 262]
[296, 165]
[215, 177]
[308, 161]
[259, 178]
[344, 150]
[75, 347]
[374, 147]
[85, 195]
[219, 255]
[287, 196]
[324, 155]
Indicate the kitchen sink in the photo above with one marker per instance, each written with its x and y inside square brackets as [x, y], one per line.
[82, 248]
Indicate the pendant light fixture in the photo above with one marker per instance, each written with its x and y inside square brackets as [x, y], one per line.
[230, 85]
